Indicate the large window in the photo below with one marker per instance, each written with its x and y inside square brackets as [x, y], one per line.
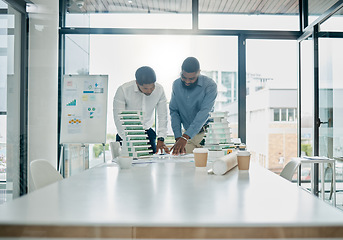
[271, 102]
[271, 65]
[307, 91]
[119, 56]
[248, 15]
[331, 95]
[130, 14]
[330, 102]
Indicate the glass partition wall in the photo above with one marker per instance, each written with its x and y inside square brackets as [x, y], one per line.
[320, 84]
[128, 44]
[330, 94]
[224, 35]
[12, 103]
[119, 56]
[251, 49]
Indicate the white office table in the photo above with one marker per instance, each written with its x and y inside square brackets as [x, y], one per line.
[170, 200]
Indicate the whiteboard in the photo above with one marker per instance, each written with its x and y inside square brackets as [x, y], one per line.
[84, 109]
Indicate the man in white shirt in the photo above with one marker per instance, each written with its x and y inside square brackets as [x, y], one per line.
[146, 95]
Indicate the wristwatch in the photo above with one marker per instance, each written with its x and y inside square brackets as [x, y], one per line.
[160, 139]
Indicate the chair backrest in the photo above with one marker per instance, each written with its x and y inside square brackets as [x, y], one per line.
[289, 170]
[43, 173]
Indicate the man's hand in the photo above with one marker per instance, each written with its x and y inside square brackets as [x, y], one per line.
[161, 146]
[179, 146]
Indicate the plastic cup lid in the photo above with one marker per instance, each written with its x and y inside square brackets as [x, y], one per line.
[200, 150]
[243, 153]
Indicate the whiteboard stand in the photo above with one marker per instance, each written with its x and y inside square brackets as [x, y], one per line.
[104, 149]
[83, 147]
[60, 162]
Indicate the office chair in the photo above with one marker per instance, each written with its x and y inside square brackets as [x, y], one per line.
[289, 169]
[43, 173]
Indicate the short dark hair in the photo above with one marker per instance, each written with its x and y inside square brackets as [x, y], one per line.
[145, 75]
[191, 64]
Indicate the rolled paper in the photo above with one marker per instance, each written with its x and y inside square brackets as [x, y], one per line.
[224, 164]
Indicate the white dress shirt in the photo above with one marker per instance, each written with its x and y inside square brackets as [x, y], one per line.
[129, 97]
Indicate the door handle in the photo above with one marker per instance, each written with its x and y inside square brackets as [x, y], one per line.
[320, 122]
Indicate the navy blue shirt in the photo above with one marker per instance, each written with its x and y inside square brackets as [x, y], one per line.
[191, 107]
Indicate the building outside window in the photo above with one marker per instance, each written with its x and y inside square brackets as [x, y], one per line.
[271, 102]
[284, 114]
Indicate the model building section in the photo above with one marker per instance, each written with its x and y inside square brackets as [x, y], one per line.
[219, 131]
[135, 142]
[218, 135]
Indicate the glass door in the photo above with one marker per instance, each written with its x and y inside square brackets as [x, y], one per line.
[327, 55]
[325, 104]
[330, 140]
[330, 52]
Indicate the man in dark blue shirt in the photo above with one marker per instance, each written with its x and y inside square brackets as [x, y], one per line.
[193, 97]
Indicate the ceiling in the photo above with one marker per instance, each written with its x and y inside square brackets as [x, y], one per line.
[316, 7]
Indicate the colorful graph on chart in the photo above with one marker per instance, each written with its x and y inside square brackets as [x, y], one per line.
[74, 124]
[93, 86]
[75, 121]
[72, 103]
[91, 111]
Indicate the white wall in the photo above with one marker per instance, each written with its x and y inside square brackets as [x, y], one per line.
[283, 98]
[43, 80]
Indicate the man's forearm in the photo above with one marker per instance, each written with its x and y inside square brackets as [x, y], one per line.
[176, 125]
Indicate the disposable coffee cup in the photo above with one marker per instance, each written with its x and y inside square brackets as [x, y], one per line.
[124, 162]
[243, 159]
[200, 157]
[242, 147]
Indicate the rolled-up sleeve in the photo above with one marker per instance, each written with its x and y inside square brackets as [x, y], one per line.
[206, 106]
[118, 107]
